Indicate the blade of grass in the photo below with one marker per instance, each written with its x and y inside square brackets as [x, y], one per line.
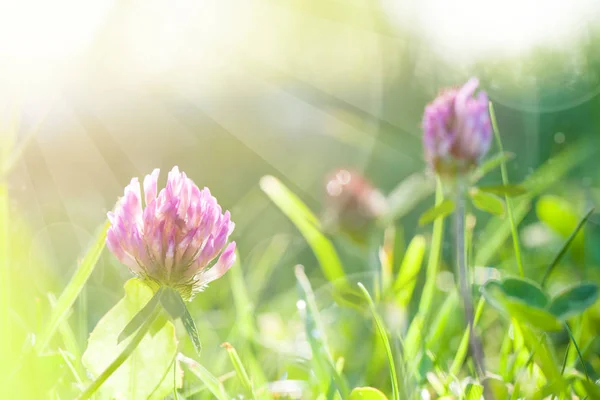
[245, 323]
[75, 285]
[409, 270]
[463, 347]
[507, 200]
[565, 247]
[384, 338]
[415, 331]
[497, 231]
[213, 384]
[308, 225]
[568, 329]
[316, 336]
[239, 369]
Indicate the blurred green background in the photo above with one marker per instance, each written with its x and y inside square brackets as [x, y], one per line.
[233, 90]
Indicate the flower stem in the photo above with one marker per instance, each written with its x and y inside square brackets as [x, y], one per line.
[463, 278]
[121, 358]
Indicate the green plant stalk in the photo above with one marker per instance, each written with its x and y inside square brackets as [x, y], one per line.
[386, 343]
[121, 358]
[463, 278]
[565, 247]
[504, 173]
[578, 351]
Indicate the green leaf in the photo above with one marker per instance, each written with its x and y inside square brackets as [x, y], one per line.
[210, 381]
[409, 270]
[307, 224]
[522, 300]
[574, 300]
[504, 190]
[491, 164]
[175, 306]
[239, 369]
[574, 234]
[74, 287]
[441, 210]
[140, 317]
[366, 393]
[147, 373]
[592, 389]
[473, 391]
[384, 339]
[487, 202]
[526, 291]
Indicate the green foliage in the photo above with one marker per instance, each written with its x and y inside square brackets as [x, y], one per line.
[441, 210]
[146, 373]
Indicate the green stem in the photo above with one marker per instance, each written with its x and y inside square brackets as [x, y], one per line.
[504, 173]
[578, 351]
[463, 278]
[121, 358]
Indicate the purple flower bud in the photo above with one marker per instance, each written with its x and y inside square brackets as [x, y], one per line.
[175, 236]
[352, 204]
[457, 130]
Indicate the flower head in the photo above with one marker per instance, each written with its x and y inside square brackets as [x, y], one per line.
[352, 204]
[457, 130]
[173, 238]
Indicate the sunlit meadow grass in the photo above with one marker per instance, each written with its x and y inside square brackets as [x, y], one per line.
[391, 325]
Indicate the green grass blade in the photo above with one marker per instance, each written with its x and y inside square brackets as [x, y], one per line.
[239, 369]
[508, 201]
[322, 358]
[413, 342]
[409, 270]
[213, 385]
[433, 262]
[385, 340]
[463, 347]
[565, 247]
[245, 315]
[307, 224]
[74, 287]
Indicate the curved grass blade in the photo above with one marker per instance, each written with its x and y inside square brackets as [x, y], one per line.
[384, 338]
[315, 332]
[141, 316]
[307, 224]
[74, 287]
[565, 247]
[210, 381]
[239, 369]
[175, 306]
